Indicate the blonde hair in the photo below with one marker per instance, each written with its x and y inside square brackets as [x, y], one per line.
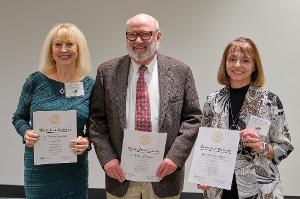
[66, 31]
[248, 48]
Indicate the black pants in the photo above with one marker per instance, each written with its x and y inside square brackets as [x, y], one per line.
[233, 193]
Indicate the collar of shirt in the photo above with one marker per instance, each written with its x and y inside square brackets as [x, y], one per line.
[150, 66]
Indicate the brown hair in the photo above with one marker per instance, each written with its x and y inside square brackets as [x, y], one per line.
[247, 47]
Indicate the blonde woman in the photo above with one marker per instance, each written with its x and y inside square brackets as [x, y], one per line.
[64, 59]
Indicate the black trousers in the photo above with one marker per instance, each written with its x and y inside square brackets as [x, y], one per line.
[233, 193]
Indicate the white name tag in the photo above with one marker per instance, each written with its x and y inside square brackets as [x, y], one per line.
[260, 125]
[74, 89]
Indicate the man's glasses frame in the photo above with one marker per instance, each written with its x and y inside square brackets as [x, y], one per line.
[146, 35]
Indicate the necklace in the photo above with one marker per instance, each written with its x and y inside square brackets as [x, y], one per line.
[234, 125]
[236, 98]
[62, 89]
[63, 83]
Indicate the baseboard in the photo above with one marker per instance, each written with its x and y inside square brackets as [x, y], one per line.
[12, 191]
[16, 191]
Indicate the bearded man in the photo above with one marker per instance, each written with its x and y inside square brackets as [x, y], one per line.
[144, 91]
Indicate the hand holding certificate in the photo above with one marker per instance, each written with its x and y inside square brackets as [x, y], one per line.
[56, 130]
[142, 152]
[214, 157]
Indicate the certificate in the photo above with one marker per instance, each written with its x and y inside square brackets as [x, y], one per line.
[56, 130]
[214, 157]
[142, 153]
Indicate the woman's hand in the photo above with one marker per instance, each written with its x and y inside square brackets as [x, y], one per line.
[30, 138]
[203, 187]
[250, 138]
[80, 145]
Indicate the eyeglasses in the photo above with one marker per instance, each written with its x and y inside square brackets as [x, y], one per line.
[132, 36]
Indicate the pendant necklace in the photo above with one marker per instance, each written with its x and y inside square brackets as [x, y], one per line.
[234, 125]
[236, 96]
[62, 89]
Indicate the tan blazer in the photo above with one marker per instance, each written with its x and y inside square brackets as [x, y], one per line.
[179, 117]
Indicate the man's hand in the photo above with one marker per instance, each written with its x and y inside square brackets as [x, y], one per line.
[165, 168]
[114, 170]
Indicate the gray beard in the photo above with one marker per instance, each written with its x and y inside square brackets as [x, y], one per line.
[151, 50]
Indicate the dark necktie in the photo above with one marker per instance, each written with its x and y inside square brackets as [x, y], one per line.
[142, 104]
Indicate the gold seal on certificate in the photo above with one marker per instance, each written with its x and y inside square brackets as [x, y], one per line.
[217, 137]
[145, 139]
[54, 119]
[56, 130]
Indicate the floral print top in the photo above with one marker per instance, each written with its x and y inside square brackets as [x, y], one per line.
[256, 175]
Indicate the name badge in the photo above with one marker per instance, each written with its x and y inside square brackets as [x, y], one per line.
[74, 89]
[260, 125]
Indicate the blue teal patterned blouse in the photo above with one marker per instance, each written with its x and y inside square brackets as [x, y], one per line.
[39, 93]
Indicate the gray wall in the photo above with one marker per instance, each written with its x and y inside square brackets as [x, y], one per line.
[195, 31]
